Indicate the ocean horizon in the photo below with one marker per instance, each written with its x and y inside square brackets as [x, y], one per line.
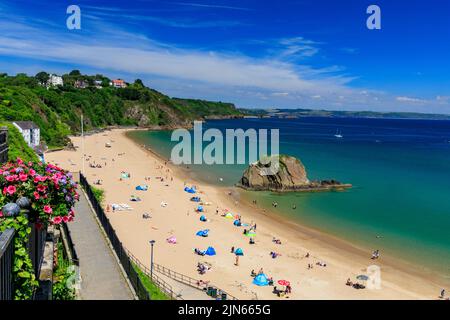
[399, 169]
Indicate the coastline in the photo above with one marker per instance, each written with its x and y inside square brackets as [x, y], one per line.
[400, 281]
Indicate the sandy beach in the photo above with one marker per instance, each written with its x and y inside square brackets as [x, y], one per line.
[178, 218]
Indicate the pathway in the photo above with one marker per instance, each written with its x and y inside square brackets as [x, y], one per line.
[101, 276]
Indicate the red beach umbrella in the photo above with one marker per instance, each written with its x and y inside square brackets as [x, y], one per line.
[284, 283]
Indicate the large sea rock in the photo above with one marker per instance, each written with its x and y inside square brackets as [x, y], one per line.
[291, 176]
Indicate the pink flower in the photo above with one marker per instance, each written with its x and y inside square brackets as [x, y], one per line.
[11, 190]
[48, 209]
[36, 195]
[19, 161]
[32, 172]
[40, 188]
[1, 214]
[11, 178]
[65, 219]
[23, 177]
[57, 220]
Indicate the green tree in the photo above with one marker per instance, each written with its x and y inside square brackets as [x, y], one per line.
[42, 77]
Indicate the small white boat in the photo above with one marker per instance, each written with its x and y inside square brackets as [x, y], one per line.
[338, 135]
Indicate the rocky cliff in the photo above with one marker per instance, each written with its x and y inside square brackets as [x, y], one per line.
[290, 176]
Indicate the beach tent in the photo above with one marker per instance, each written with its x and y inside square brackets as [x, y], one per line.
[202, 233]
[229, 216]
[261, 280]
[200, 209]
[210, 251]
[195, 199]
[239, 252]
[142, 188]
[203, 219]
[237, 223]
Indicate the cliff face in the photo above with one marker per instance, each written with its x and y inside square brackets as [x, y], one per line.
[291, 176]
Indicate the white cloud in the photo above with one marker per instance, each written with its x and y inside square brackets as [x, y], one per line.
[409, 99]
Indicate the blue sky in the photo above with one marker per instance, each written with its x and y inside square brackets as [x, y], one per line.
[291, 54]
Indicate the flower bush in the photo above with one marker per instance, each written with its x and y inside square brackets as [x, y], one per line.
[50, 190]
[49, 194]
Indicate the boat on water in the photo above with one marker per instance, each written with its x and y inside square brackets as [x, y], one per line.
[338, 134]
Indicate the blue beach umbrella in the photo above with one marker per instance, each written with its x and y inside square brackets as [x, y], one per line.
[200, 208]
[237, 223]
[239, 252]
[202, 233]
[203, 219]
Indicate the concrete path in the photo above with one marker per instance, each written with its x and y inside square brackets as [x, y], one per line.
[101, 276]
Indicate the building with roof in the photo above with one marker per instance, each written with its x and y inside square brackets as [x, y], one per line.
[30, 131]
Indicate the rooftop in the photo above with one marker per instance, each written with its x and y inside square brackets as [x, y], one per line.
[25, 125]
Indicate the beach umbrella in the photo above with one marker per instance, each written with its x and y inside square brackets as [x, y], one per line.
[210, 251]
[229, 216]
[237, 223]
[261, 280]
[239, 252]
[203, 218]
[200, 208]
[284, 283]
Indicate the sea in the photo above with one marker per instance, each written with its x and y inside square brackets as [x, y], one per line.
[399, 169]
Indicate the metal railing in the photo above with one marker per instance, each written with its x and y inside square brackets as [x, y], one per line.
[7, 264]
[70, 245]
[35, 245]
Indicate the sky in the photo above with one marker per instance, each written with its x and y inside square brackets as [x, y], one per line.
[257, 54]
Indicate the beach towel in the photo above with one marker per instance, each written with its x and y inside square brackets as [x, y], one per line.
[261, 280]
[172, 240]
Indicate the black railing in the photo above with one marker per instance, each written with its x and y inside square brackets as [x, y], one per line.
[7, 264]
[126, 262]
[70, 245]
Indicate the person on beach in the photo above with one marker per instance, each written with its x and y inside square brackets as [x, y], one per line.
[442, 294]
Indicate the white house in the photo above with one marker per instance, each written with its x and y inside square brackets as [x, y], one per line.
[30, 132]
[55, 80]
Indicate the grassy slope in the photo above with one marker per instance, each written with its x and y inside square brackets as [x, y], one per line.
[155, 293]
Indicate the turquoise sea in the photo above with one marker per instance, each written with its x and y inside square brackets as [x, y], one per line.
[400, 169]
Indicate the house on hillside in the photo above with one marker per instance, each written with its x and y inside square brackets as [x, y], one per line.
[98, 84]
[118, 83]
[55, 80]
[30, 132]
[80, 84]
